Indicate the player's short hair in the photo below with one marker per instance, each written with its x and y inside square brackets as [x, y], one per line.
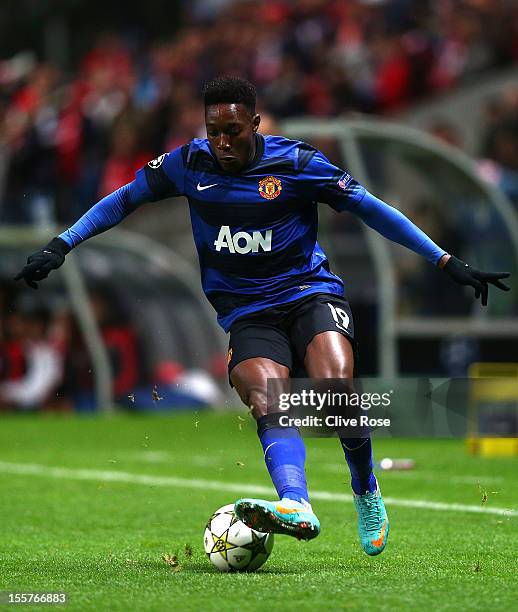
[230, 90]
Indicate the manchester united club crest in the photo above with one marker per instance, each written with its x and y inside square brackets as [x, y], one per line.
[270, 187]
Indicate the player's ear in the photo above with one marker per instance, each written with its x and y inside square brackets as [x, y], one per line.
[256, 121]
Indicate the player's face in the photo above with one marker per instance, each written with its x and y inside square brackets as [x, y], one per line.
[231, 132]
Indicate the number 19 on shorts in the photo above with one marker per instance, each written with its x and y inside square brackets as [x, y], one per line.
[341, 318]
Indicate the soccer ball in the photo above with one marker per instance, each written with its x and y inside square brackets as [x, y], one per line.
[231, 545]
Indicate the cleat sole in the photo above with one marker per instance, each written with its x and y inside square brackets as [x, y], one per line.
[260, 518]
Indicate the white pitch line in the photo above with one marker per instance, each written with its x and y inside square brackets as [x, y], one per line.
[337, 468]
[31, 469]
[169, 458]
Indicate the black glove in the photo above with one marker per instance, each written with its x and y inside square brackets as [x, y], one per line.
[39, 264]
[464, 274]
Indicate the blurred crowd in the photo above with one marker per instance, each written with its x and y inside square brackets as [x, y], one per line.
[68, 138]
[45, 362]
[327, 57]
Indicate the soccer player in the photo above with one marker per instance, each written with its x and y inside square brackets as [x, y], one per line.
[253, 205]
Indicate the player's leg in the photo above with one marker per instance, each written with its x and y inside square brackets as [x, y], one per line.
[330, 355]
[284, 455]
[325, 334]
[283, 447]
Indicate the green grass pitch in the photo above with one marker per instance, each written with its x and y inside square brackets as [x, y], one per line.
[127, 490]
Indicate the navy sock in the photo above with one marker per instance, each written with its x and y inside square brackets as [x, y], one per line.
[358, 454]
[284, 455]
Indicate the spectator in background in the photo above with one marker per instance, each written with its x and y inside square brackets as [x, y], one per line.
[446, 131]
[121, 344]
[28, 132]
[29, 386]
[119, 339]
[392, 73]
[124, 159]
[64, 139]
[12, 363]
[186, 126]
[499, 163]
[268, 123]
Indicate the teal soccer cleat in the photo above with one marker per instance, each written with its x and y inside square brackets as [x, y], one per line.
[373, 524]
[285, 517]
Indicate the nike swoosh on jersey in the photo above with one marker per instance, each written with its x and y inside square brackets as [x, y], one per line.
[203, 187]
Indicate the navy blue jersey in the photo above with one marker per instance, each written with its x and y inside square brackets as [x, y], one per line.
[255, 231]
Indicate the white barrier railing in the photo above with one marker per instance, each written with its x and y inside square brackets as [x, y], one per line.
[27, 240]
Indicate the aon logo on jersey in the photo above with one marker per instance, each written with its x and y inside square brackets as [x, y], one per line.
[243, 242]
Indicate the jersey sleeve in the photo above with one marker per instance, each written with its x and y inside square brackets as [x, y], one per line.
[329, 184]
[326, 183]
[107, 213]
[163, 177]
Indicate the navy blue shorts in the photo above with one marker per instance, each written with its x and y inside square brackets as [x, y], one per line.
[282, 333]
